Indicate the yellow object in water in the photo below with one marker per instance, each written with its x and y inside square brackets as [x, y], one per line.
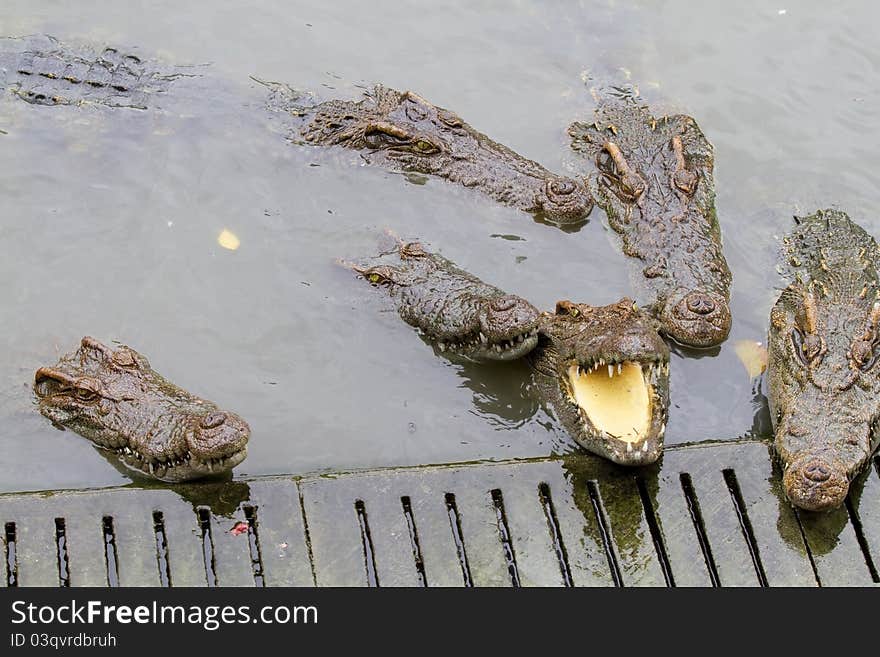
[228, 240]
[753, 356]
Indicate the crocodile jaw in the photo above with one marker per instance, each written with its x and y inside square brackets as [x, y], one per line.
[620, 407]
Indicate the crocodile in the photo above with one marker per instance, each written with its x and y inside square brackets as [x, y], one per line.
[823, 373]
[451, 308]
[41, 70]
[116, 400]
[605, 370]
[654, 179]
[403, 132]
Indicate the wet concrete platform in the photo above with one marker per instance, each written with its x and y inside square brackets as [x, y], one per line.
[708, 515]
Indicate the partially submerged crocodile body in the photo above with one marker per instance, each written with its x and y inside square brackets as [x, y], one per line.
[823, 372]
[453, 309]
[654, 179]
[43, 71]
[401, 131]
[116, 400]
[605, 370]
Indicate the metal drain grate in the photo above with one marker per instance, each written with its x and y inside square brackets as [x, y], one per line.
[711, 515]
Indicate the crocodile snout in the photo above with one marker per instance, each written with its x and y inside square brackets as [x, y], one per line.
[697, 319]
[219, 434]
[816, 483]
[565, 200]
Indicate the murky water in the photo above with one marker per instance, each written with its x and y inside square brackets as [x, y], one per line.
[109, 218]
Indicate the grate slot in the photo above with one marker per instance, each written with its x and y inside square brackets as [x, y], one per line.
[596, 501]
[250, 514]
[656, 534]
[308, 536]
[204, 515]
[696, 514]
[504, 533]
[367, 541]
[744, 523]
[11, 554]
[555, 532]
[161, 549]
[61, 552]
[860, 537]
[414, 539]
[110, 554]
[458, 537]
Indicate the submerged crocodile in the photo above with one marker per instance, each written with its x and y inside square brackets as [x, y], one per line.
[453, 309]
[823, 372]
[605, 370]
[654, 179]
[43, 71]
[116, 400]
[401, 131]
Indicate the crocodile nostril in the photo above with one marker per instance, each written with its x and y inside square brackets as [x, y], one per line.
[700, 303]
[562, 186]
[502, 304]
[213, 420]
[817, 471]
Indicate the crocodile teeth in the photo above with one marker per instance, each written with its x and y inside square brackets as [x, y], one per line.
[442, 346]
[629, 447]
[619, 367]
[610, 371]
[645, 447]
[483, 338]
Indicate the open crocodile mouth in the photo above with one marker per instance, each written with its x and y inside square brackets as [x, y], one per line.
[621, 406]
[478, 345]
[179, 468]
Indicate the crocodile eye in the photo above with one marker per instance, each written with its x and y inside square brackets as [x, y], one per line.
[85, 395]
[425, 147]
[685, 180]
[865, 354]
[806, 347]
[567, 308]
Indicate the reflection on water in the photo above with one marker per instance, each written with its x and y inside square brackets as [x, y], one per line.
[109, 218]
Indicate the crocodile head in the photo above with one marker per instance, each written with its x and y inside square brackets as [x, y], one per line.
[402, 131]
[606, 372]
[452, 309]
[116, 400]
[824, 360]
[654, 179]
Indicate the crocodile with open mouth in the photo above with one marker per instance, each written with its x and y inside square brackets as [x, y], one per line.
[116, 400]
[654, 179]
[823, 371]
[403, 132]
[604, 369]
